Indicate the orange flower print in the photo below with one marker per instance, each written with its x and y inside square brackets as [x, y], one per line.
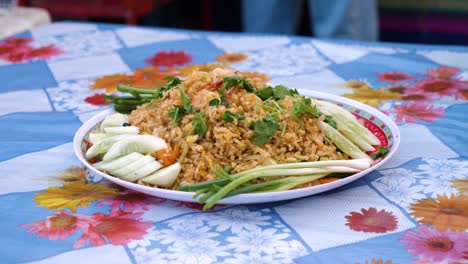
[72, 195]
[59, 225]
[461, 185]
[443, 214]
[119, 228]
[110, 82]
[231, 57]
[372, 221]
[148, 77]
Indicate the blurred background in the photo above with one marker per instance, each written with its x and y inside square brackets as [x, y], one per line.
[410, 21]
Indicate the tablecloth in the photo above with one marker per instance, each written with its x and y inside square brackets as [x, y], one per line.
[414, 209]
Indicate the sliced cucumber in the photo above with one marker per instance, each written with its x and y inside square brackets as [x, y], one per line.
[114, 120]
[164, 177]
[342, 142]
[122, 130]
[118, 163]
[102, 146]
[142, 172]
[126, 170]
[95, 137]
[144, 144]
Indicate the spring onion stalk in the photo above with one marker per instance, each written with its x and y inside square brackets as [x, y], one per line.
[358, 164]
[271, 173]
[342, 142]
[277, 185]
[341, 115]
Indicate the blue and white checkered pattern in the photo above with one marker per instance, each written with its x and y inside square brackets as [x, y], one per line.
[43, 106]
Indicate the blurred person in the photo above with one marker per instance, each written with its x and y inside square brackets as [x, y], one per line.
[350, 19]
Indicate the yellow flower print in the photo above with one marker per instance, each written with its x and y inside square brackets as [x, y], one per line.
[373, 97]
[74, 194]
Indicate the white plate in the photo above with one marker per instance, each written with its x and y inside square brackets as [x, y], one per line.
[379, 122]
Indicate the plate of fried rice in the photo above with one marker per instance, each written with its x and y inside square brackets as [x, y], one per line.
[225, 137]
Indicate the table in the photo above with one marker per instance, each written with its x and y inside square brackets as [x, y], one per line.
[412, 210]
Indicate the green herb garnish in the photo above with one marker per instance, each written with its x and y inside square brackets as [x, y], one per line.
[303, 106]
[214, 102]
[172, 81]
[199, 126]
[224, 101]
[229, 116]
[329, 120]
[278, 92]
[382, 152]
[180, 111]
[264, 129]
[236, 81]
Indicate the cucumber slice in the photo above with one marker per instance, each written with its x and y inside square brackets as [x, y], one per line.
[114, 120]
[103, 145]
[164, 177]
[144, 144]
[342, 142]
[142, 172]
[118, 163]
[95, 137]
[122, 130]
[134, 166]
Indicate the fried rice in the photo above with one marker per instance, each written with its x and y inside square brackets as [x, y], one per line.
[230, 144]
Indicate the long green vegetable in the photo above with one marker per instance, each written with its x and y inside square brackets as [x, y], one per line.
[293, 174]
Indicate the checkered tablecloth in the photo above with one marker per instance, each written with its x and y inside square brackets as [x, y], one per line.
[52, 79]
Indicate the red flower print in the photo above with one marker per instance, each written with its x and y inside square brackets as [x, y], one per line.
[131, 201]
[5, 50]
[17, 41]
[372, 221]
[97, 99]
[45, 52]
[435, 246]
[171, 58]
[394, 77]
[413, 111]
[435, 88]
[443, 72]
[119, 228]
[59, 225]
[18, 50]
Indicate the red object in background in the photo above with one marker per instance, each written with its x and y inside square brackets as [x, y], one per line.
[129, 10]
[169, 59]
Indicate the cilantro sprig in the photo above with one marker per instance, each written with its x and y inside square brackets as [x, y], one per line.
[179, 111]
[278, 92]
[382, 151]
[236, 81]
[264, 129]
[199, 126]
[303, 106]
[229, 116]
